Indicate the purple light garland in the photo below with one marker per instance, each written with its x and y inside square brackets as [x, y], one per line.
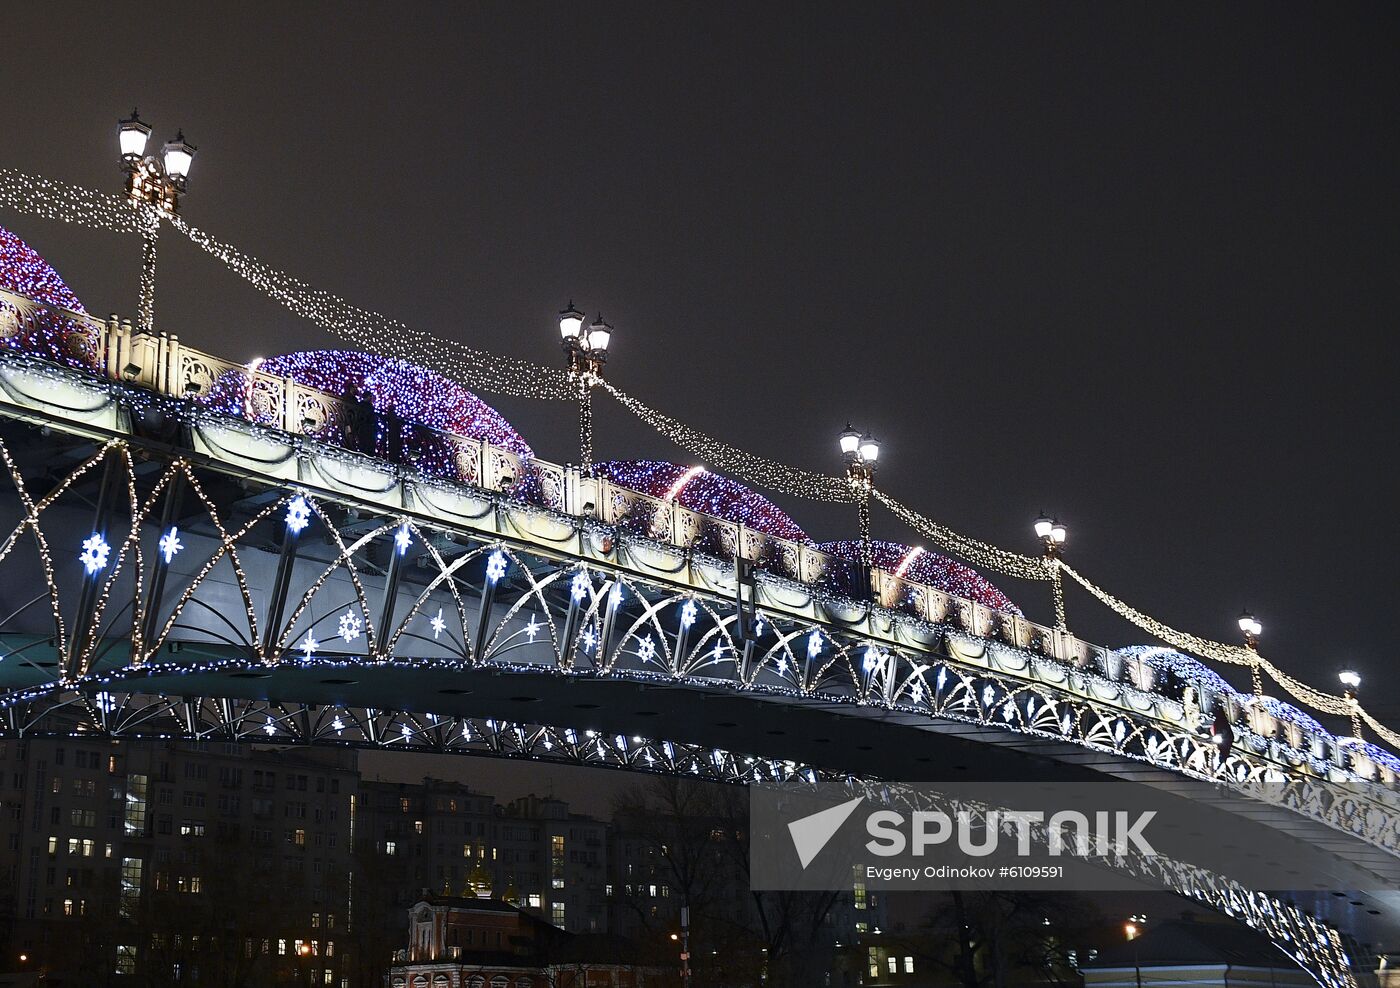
[930, 568]
[705, 492]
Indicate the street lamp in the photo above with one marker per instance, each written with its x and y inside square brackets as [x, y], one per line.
[157, 181]
[861, 453]
[1252, 629]
[151, 180]
[1351, 682]
[1052, 533]
[586, 351]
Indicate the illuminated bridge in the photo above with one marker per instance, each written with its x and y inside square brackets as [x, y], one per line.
[202, 549]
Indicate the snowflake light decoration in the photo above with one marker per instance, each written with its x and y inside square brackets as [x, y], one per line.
[298, 514]
[533, 628]
[438, 624]
[814, 644]
[688, 613]
[646, 649]
[589, 638]
[337, 725]
[403, 539]
[95, 553]
[170, 545]
[350, 626]
[873, 659]
[496, 566]
[578, 587]
[268, 728]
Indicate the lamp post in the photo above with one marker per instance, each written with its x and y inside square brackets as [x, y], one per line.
[1351, 682]
[1252, 629]
[861, 452]
[155, 181]
[586, 351]
[1052, 534]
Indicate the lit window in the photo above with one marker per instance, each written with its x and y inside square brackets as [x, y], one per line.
[894, 965]
[390, 847]
[908, 965]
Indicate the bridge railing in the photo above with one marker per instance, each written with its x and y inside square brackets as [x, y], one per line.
[163, 364]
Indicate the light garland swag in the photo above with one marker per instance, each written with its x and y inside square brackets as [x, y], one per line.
[381, 334]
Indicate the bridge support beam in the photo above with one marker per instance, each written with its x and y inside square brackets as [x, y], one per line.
[84, 620]
[155, 594]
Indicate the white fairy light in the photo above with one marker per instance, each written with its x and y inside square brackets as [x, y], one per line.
[170, 545]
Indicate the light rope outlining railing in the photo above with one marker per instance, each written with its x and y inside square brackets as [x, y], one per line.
[73, 204]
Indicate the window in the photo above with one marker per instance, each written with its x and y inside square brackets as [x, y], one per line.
[126, 960]
[131, 886]
[82, 818]
[390, 847]
[908, 964]
[556, 914]
[894, 965]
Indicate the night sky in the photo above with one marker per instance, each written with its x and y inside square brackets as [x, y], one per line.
[1133, 264]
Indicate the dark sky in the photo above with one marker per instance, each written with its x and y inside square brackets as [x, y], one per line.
[1131, 263]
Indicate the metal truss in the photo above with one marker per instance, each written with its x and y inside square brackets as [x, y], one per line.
[1316, 947]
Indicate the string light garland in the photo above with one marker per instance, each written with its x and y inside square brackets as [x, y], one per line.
[384, 335]
[511, 376]
[982, 554]
[758, 470]
[73, 204]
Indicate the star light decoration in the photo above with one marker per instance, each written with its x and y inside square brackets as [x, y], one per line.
[438, 625]
[95, 554]
[403, 539]
[532, 629]
[170, 545]
[309, 644]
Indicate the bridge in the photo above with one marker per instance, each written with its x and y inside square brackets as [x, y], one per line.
[204, 549]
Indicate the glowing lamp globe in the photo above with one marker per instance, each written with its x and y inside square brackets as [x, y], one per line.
[570, 323]
[1249, 624]
[599, 335]
[132, 135]
[178, 155]
[1058, 533]
[869, 449]
[850, 441]
[1349, 679]
[1043, 527]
